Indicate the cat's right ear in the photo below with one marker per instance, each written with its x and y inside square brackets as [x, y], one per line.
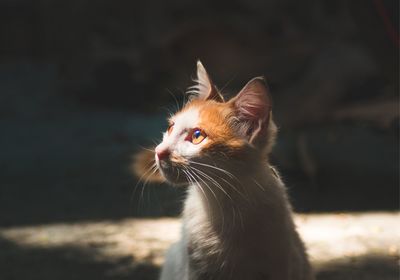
[144, 165]
[253, 106]
[204, 89]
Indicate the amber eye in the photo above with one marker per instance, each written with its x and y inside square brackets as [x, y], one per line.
[170, 128]
[198, 136]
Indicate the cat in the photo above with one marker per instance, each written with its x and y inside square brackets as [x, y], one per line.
[237, 220]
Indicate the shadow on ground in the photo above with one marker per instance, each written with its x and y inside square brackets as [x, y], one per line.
[366, 267]
[70, 262]
[67, 262]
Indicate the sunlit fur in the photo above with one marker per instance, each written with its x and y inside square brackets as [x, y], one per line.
[237, 221]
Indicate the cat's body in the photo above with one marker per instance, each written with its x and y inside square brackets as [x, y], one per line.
[256, 243]
[237, 220]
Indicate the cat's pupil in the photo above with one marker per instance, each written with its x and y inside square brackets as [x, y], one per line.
[197, 134]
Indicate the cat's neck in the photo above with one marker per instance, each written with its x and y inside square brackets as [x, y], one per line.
[228, 202]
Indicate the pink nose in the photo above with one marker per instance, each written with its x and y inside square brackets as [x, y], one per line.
[163, 154]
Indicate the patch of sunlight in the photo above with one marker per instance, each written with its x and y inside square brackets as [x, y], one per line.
[327, 236]
[344, 235]
[143, 239]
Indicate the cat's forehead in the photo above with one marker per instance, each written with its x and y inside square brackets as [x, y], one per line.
[187, 117]
[198, 112]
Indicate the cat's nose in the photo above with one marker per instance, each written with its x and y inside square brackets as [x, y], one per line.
[162, 153]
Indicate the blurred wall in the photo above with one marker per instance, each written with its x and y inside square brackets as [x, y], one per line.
[82, 83]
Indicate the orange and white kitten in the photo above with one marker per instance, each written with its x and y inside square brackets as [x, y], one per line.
[237, 220]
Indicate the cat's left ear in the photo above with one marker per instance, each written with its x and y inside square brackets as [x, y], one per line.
[204, 89]
[253, 105]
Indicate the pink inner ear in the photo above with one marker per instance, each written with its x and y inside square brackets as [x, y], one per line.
[253, 102]
[252, 107]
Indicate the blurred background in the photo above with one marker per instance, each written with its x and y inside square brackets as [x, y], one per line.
[85, 84]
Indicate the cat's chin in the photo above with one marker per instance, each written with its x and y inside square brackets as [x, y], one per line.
[173, 176]
[178, 184]
[175, 180]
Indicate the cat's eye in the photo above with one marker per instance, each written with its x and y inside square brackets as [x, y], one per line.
[170, 128]
[198, 136]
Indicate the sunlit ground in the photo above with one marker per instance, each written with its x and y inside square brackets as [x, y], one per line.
[341, 246]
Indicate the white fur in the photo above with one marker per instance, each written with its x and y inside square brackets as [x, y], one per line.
[175, 142]
[175, 266]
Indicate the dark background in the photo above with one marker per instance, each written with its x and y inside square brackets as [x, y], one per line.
[84, 84]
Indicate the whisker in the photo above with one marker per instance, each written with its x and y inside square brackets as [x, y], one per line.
[206, 176]
[216, 199]
[147, 149]
[199, 185]
[227, 83]
[233, 187]
[169, 111]
[185, 98]
[154, 169]
[176, 100]
[227, 173]
[141, 177]
[197, 175]
[177, 176]
[150, 171]
[219, 187]
[258, 185]
[214, 167]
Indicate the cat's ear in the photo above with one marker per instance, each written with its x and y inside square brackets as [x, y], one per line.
[204, 89]
[252, 106]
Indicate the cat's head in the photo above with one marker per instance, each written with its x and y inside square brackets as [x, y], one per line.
[209, 131]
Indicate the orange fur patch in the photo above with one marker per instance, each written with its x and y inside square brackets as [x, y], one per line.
[215, 122]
